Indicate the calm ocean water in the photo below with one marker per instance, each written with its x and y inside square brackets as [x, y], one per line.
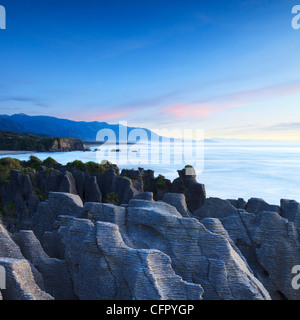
[271, 172]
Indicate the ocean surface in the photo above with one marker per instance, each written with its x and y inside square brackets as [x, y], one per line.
[229, 171]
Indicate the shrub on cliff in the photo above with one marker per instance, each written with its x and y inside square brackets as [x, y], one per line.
[6, 165]
[49, 162]
[160, 182]
[95, 167]
[91, 166]
[76, 164]
[34, 162]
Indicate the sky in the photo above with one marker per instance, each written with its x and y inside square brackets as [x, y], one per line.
[230, 68]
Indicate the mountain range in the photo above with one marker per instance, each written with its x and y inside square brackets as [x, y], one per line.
[55, 127]
[87, 131]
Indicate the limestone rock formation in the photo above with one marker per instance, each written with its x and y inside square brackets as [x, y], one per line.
[68, 144]
[186, 184]
[269, 243]
[215, 208]
[48, 211]
[178, 201]
[103, 267]
[144, 196]
[20, 284]
[255, 205]
[55, 274]
[198, 255]
[240, 203]
[136, 178]
[23, 280]
[76, 245]
[110, 182]
[146, 250]
[20, 199]
[290, 210]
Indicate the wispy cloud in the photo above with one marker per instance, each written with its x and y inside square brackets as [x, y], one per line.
[135, 107]
[287, 126]
[32, 100]
[209, 106]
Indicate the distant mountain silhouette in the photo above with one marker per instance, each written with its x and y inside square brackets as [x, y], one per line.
[55, 127]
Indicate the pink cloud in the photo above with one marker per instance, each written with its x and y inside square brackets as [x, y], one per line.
[187, 110]
[200, 110]
[101, 116]
[107, 115]
[208, 108]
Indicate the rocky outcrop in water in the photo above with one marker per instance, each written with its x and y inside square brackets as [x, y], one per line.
[68, 144]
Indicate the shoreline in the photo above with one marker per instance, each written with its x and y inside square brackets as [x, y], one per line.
[14, 152]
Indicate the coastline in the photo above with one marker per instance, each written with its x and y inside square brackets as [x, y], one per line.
[11, 152]
[229, 171]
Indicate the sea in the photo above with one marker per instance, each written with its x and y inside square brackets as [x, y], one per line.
[228, 170]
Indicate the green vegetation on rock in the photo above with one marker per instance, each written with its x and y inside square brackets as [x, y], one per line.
[34, 162]
[113, 198]
[22, 141]
[160, 182]
[6, 165]
[90, 166]
[49, 162]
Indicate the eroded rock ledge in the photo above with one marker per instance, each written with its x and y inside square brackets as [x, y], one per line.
[153, 250]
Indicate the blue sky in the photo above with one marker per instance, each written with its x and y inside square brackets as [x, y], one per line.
[228, 67]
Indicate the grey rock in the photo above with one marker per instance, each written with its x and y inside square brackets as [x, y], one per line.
[194, 192]
[87, 186]
[111, 182]
[178, 201]
[290, 210]
[148, 180]
[105, 212]
[103, 267]
[52, 245]
[215, 208]
[21, 193]
[9, 249]
[278, 251]
[214, 225]
[20, 284]
[240, 203]
[62, 182]
[256, 205]
[56, 204]
[197, 255]
[144, 196]
[136, 178]
[158, 206]
[55, 274]
[92, 192]
[270, 245]
[79, 177]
